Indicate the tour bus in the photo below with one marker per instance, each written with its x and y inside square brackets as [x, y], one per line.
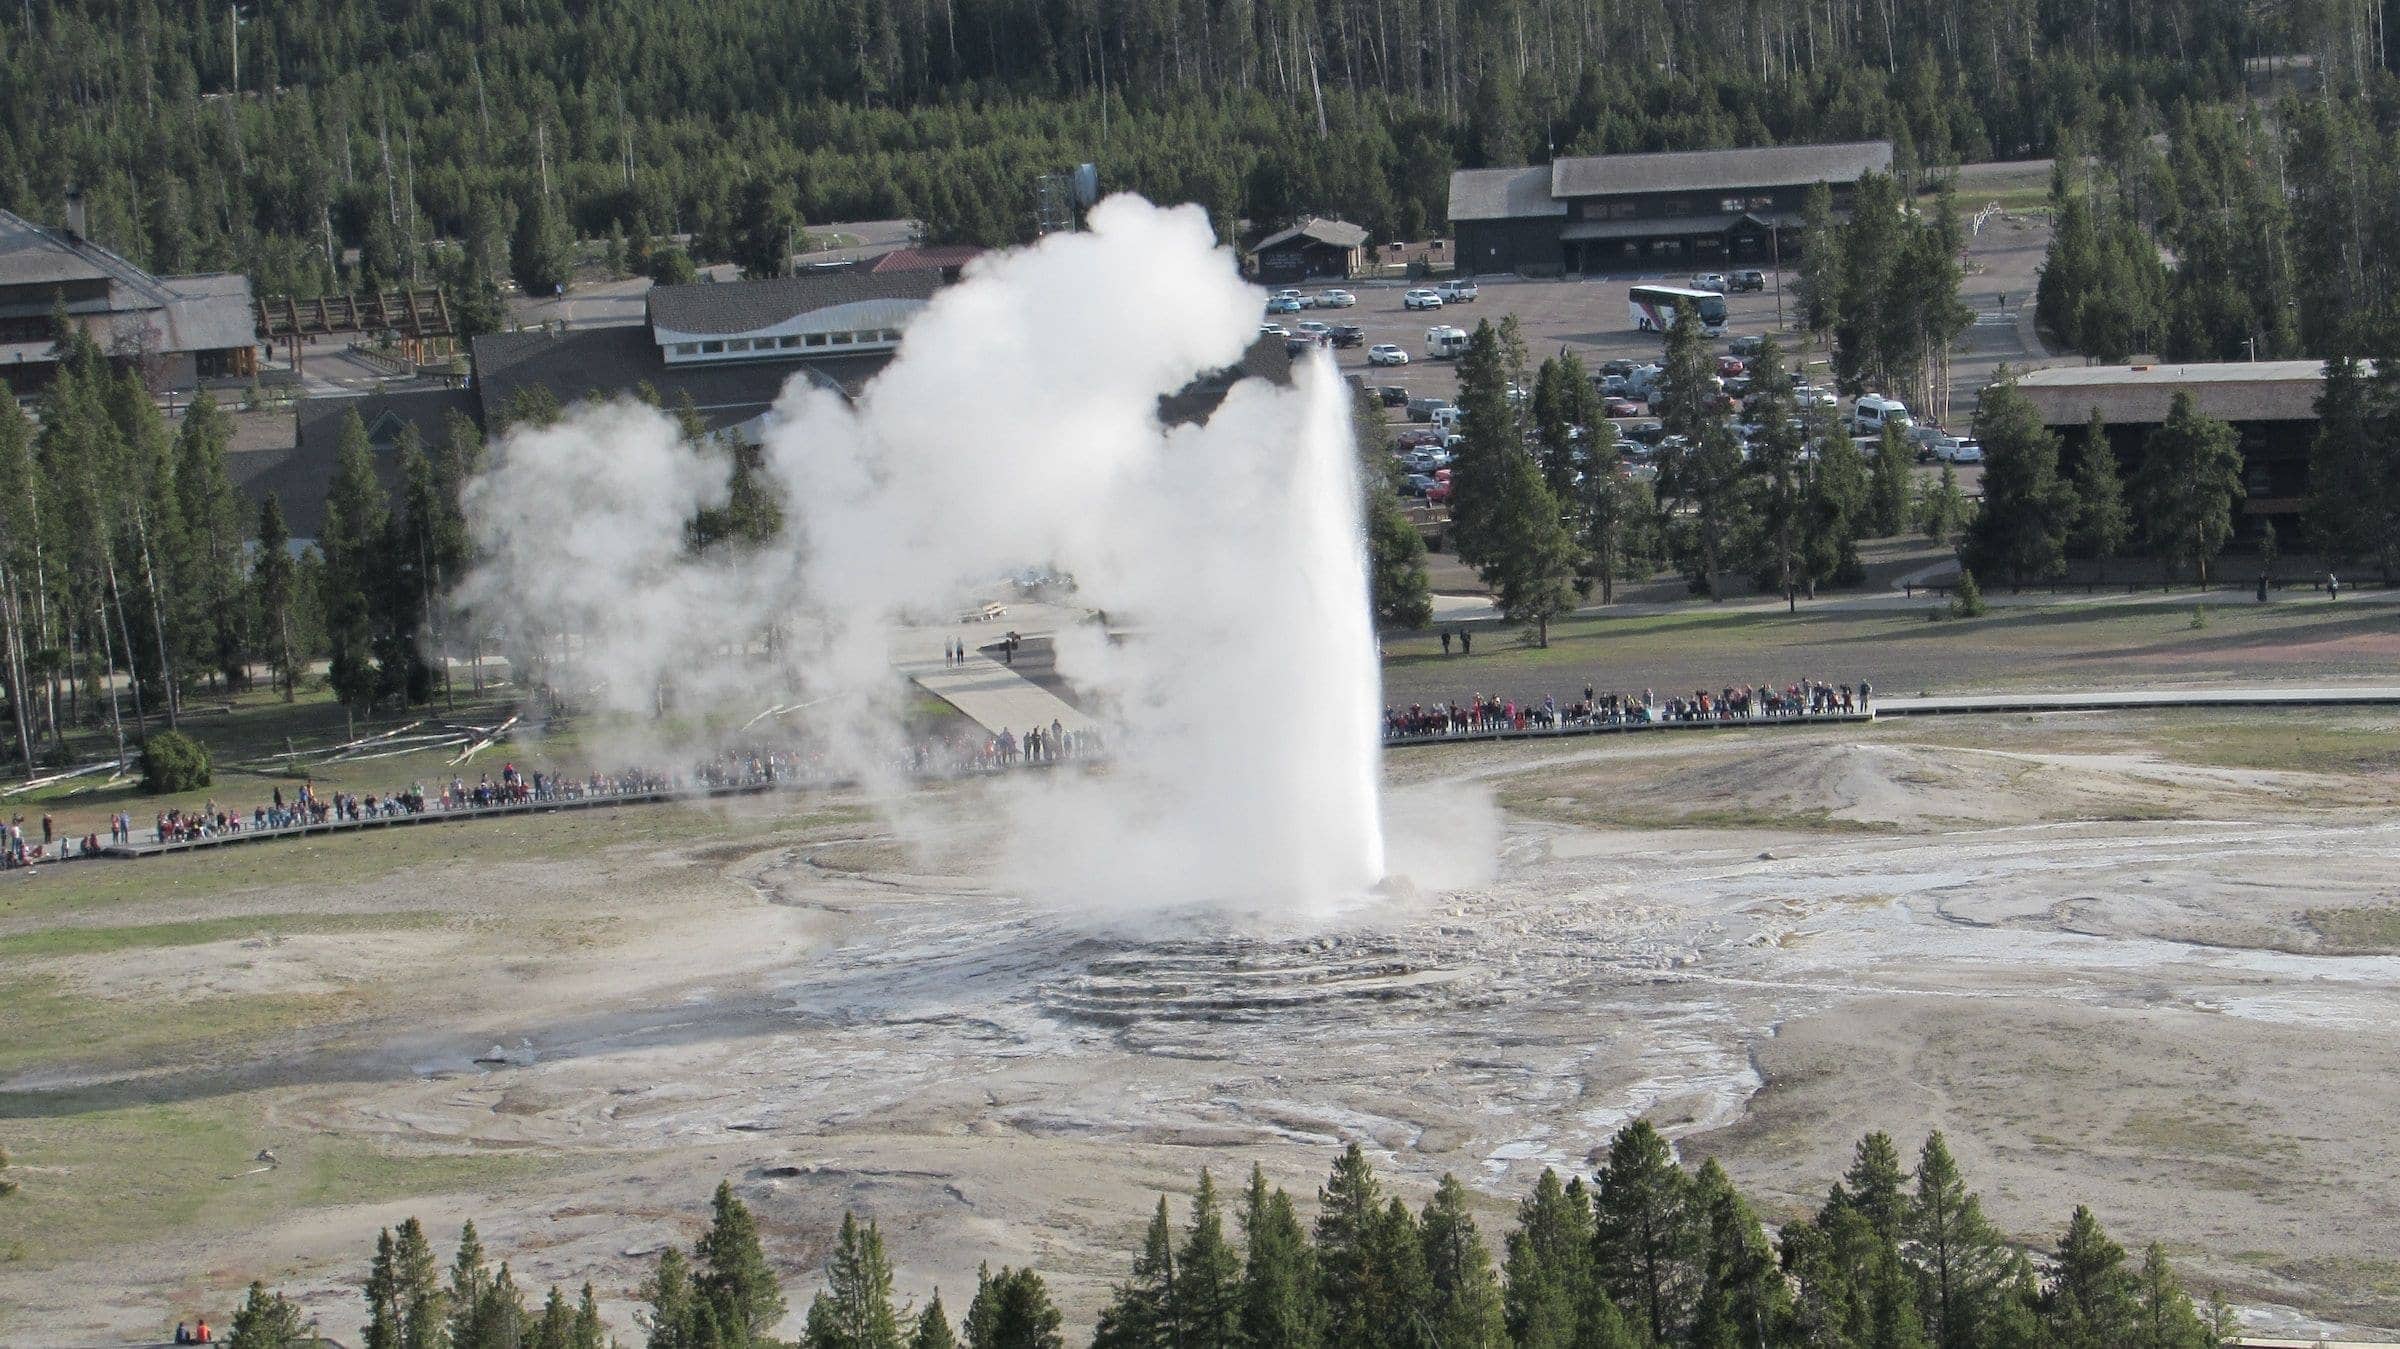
[1654, 308]
[1445, 343]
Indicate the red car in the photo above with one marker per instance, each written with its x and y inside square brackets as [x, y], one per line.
[1416, 436]
[1730, 366]
[1624, 407]
[1438, 493]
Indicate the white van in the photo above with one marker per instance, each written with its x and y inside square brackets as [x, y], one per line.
[1445, 343]
[1449, 419]
[1873, 412]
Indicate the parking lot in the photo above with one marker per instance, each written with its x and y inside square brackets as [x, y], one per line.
[1589, 316]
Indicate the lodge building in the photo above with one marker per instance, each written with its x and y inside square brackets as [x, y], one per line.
[184, 331]
[1677, 210]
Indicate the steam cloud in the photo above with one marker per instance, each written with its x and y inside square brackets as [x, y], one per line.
[1018, 426]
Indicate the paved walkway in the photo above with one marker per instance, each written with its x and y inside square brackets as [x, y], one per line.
[2132, 700]
[985, 690]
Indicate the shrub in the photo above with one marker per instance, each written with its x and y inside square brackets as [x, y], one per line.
[2199, 617]
[1967, 600]
[173, 762]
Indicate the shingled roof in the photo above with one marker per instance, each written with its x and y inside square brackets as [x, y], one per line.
[1337, 233]
[1709, 170]
[1503, 194]
[747, 306]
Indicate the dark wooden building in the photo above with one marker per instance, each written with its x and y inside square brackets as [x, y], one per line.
[1315, 247]
[2272, 406]
[185, 332]
[1635, 213]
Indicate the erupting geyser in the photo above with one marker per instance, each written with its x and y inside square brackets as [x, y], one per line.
[1020, 425]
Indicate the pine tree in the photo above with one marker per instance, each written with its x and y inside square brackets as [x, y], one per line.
[2189, 482]
[2021, 531]
[1962, 1262]
[1835, 508]
[1646, 1237]
[382, 1293]
[1852, 1286]
[352, 536]
[2091, 1302]
[1142, 1314]
[417, 1275]
[1817, 284]
[470, 1286]
[668, 1318]
[1742, 1298]
[933, 1327]
[1206, 1304]
[1403, 598]
[1887, 491]
[1490, 432]
[1012, 1310]
[588, 1333]
[1550, 1280]
[2341, 508]
[1946, 511]
[731, 1273]
[212, 526]
[854, 1311]
[1530, 555]
[1610, 508]
[2167, 1318]
[555, 1327]
[2101, 523]
[1349, 1210]
[1464, 1310]
[1280, 1304]
[1874, 1182]
[268, 1321]
[543, 254]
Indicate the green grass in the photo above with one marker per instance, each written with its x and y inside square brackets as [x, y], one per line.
[99, 1176]
[75, 941]
[44, 1023]
[2363, 930]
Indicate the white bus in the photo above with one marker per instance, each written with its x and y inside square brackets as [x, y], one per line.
[1654, 308]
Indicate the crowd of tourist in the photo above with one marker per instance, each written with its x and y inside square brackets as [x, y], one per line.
[306, 806]
[1480, 714]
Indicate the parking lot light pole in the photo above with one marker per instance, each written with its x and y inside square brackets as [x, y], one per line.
[1775, 246]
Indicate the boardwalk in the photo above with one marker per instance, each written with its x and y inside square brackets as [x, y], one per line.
[985, 690]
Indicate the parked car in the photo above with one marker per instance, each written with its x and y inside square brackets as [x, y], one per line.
[1967, 452]
[1335, 299]
[1419, 438]
[1615, 366]
[1282, 304]
[1873, 412]
[1273, 330]
[1710, 281]
[1392, 395]
[1313, 328]
[1419, 484]
[1458, 292]
[1750, 279]
[1421, 299]
[1623, 407]
[1746, 346]
[1449, 418]
[1386, 353]
[1643, 433]
[1727, 366]
[1348, 335]
[1437, 494]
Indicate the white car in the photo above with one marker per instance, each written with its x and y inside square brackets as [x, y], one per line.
[1335, 299]
[1967, 452]
[1384, 353]
[1313, 328]
[1422, 299]
[1273, 330]
[1710, 281]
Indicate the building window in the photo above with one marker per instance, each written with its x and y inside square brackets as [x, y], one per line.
[816, 339]
[687, 348]
[843, 339]
[891, 334]
[788, 341]
[711, 348]
[1734, 205]
[1675, 208]
[738, 344]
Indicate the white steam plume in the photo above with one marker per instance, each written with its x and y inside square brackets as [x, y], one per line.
[1019, 425]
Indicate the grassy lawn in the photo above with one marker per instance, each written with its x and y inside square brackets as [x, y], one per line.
[82, 1198]
[43, 1022]
[76, 941]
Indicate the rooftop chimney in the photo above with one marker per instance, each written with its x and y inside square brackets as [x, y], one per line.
[75, 213]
